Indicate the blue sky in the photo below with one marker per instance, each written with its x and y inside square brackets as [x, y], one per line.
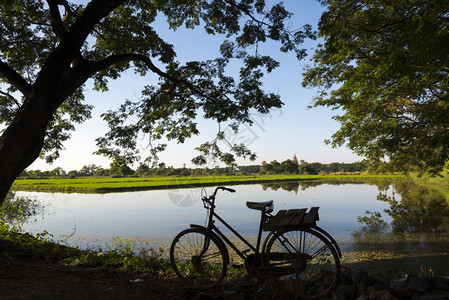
[277, 136]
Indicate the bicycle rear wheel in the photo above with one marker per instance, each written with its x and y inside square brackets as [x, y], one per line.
[305, 262]
[198, 258]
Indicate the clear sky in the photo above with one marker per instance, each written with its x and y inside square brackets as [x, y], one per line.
[277, 136]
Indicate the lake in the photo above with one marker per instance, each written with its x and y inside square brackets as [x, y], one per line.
[391, 222]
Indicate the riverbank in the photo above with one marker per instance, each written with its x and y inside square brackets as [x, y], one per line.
[32, 268]
[109, 185]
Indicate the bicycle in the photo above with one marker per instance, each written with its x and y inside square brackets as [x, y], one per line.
[301, 255]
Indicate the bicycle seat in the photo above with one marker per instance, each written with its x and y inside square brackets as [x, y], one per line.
[266, 206]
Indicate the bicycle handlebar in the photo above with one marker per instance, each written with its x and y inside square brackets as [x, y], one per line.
[228, 189]
[223, 189]
[211, 199]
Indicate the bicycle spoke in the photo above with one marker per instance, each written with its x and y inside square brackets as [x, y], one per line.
[308, 264]
[198, 259]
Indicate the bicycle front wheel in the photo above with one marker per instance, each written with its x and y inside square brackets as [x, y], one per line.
[305, 262]
[198, 258]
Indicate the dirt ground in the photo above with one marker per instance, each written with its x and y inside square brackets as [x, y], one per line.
[25, 275]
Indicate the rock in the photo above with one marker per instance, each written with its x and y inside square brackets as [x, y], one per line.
[401, 289]
[338, 296]
[383, 295]
[381, 284]
[361, 289]
[396, 275]
[440, 283]
[419, 284]
[346, 277]
[392, 285]
[433, 297]
[362, 277]
[349, 291]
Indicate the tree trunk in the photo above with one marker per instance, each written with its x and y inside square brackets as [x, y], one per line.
[60, 76]
[22, 141]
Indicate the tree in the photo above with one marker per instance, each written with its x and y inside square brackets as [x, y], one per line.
[49, 49]
[309, 168]
[59, 172]
[265, 168]
[288, 166]
[119, 167]
[88, 170]
[387, 63]
[275, 167]
[143, 170]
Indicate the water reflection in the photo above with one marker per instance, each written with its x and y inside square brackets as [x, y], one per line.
[16, 211]
[419, 210]
[416, 239]
[413, 208]
[297, 185]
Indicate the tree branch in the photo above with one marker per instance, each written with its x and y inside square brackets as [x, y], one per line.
[68, 10]
[12, 98]
[56, 21]
[86, 22]
[113, 59]
[14, 78]
[383, 26]
[246, 11]
[68, 50]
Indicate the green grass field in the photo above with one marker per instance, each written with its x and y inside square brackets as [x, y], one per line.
[106, 184]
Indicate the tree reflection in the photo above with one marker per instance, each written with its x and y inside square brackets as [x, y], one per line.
[373, 223]
[296, 185]
[292, 186]
[416, 238]
[285, 185]
[420, 210]
[17, 211]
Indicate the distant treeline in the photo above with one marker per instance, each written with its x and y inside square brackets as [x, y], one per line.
[289, 166]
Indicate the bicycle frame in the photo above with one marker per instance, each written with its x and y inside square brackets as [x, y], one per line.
[293, 248]
[209, 204]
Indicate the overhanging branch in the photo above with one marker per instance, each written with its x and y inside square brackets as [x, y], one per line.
[56, 21]
[246, 11]
[11, 97]
[14, 78]
[114, 59]
[86, 22]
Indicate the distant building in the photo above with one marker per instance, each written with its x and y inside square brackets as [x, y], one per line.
[295, 159]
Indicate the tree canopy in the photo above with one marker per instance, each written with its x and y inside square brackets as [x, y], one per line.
[49, 49]
[385, 64]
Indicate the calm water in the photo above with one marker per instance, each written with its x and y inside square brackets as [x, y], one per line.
[418, 220]
[160, 214]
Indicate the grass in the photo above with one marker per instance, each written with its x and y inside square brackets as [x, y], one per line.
[440, 183]
[106, 184]
[122, 256]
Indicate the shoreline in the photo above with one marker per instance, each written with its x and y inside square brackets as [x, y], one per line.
[102, 185]
[33, 269]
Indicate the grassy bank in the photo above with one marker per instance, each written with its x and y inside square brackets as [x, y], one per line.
[106, 184]
[441, 183]
[122, 256]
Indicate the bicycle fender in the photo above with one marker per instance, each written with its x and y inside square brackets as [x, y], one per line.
[331, 239]
[217, 238]
[265, 242]
[316, 228]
